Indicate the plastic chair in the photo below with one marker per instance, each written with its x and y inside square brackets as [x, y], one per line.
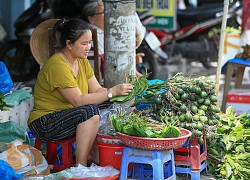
[234, 64]
[65, 161]
[191, 158]
[140, 158]
[191, 154]
[195, 175]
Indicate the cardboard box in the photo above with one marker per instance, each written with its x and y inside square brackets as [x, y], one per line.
[231, 46]
[239, 99]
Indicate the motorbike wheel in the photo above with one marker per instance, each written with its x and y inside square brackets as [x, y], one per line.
[149, 63]
[199, 49]
[211, 54]
[19, 61]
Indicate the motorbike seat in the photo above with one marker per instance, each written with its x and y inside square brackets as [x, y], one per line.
[199, 14]
[38, 12]
[204, 12]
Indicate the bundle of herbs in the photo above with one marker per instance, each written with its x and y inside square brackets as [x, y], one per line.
[140, 85]
[229, 147]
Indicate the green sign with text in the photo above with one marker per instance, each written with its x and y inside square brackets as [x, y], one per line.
[163, 10]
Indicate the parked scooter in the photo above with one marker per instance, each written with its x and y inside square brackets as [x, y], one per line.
[16, 54]
[150, 46]
[191, 39]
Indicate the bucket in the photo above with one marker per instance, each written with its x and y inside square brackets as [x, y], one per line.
[106, 139]
[110, 155]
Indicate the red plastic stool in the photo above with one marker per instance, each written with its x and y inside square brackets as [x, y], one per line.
[51, 155]
[192, 155]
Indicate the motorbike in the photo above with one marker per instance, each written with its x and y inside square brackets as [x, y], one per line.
[16, 54]
[150, 46]
[191, 38]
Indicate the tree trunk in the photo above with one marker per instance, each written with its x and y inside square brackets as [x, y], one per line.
[119, 41]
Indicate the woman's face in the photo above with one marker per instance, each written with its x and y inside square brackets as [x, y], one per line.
[81, 47]
[98, 18]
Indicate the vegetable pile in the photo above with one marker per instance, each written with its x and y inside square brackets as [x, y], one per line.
[2, 103]
[245, 54]
[136, 124]
[192, 102]
[229, 147]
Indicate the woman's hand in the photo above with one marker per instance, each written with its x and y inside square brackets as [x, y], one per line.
[121, 89]
[138, 58]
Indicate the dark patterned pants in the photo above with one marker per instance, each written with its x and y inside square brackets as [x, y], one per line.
[62, 124]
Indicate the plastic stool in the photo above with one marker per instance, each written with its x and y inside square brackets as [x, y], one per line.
[192, 155]
[139, 157]
[231, 66]
[51, 155]
[195, 175]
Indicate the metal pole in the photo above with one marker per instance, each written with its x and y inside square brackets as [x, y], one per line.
[221, 45]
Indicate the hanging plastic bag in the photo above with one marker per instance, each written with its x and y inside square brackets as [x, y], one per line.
[106, 127]
[10, 131]
[6, 81]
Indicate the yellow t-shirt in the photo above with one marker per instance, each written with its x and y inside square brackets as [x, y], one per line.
[55, 74]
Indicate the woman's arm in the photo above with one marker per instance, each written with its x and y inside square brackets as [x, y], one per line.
[96, 95]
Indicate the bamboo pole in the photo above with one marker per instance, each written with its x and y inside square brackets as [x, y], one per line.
[221, 45]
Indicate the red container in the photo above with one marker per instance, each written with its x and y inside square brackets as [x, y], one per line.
[106, 139]
[110, 155]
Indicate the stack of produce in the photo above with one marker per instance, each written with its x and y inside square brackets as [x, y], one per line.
[186, 102]
[137, 124]
[192, 102]
[245, 54]
[229, 146]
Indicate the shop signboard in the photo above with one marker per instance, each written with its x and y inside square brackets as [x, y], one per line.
[163, 10]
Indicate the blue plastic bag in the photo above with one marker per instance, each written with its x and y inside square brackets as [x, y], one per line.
[6, 81]
[7, 172]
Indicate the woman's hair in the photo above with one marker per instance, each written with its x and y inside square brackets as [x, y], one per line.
[71, 29]
[89, 10]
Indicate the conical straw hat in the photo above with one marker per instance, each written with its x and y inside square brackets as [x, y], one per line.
[39, 41]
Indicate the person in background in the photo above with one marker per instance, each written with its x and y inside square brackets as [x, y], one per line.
[245, 31]
[93, 13]
[66, 92]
